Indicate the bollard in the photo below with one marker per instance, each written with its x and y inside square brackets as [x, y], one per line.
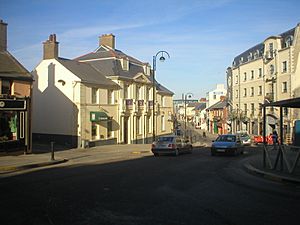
[52, 151]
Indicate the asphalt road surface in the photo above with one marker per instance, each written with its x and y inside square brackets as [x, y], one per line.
[189, 189]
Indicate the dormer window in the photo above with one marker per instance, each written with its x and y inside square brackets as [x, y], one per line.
[125, 64]
[288, 41]
[146, 69]
[241, 60]
[250, 56]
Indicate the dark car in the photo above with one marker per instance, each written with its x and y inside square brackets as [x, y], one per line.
[227, 144]
[171, 144]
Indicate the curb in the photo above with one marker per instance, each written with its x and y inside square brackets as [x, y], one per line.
[270, 176]
[9, 169]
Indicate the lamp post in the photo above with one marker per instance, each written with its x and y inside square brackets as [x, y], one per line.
[187, 95]
[162, 59]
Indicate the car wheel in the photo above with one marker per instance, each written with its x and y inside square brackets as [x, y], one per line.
[191, 149]
[176, 153]
[156, 154]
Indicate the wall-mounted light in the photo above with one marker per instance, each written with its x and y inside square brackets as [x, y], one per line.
[62, 82]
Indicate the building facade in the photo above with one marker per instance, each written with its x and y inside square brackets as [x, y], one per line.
[73, 102]
[135, 98]
[101, 98]
[15, 100]
[213, 96]
[266, 72]
[217, 117]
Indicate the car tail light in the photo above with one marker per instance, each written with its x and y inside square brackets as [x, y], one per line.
[171, 146]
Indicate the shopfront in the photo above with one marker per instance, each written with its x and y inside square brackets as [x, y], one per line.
[14, 125]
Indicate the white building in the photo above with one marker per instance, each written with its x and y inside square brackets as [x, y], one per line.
[213, 97]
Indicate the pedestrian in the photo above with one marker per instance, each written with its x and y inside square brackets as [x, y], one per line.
[274, 138]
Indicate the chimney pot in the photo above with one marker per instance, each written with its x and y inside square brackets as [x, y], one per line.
[51, 47]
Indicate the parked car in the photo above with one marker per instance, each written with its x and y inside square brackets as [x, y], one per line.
[258, 139]
[245, 137]
[227, 144]
[171, 144]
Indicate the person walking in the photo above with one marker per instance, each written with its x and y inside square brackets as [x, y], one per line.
[275, 138]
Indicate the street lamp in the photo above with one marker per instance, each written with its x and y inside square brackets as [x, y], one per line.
[187, 95]
[162, 59]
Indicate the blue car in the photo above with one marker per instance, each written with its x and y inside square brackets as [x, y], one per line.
[227, 144]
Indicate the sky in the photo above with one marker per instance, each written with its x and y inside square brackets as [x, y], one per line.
[202, 37]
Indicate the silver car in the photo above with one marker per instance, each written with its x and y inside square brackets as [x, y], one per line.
[171, 144]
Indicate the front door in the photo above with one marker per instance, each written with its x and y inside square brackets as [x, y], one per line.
[125, 131]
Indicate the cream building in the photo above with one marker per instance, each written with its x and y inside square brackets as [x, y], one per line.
[134, 100]
[73, 103]
[266, 72]
[104, 97]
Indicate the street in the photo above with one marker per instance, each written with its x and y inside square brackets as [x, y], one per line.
[142, 189]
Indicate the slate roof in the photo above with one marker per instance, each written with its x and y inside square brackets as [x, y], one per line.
[218, 105]
[10, 68]
[87, 73]
[200, 106]
[112, 67]
[243, 57]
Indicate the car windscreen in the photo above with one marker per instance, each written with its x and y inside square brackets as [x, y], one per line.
[165, 139]
[226, 138]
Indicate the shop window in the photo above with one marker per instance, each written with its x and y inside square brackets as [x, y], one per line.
[94, 131]
[109, 128]
[8, 126]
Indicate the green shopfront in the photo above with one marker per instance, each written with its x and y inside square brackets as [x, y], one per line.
[14, 125]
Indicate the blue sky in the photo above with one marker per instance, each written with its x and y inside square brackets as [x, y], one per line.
[201, 36]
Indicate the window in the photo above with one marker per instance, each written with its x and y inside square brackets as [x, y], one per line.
[288, 41]
[94, 95]
[252, 108]
[245, 92]
[94, 131]
[259, 72]
[245, 109]
[163, 101]
[149, 128]
[259, 90]
[272, 69]
[215, 96]
[284, 66]
[126, 89]
[138, 125]
[6, 87]
[252, 74]
[109, 128]
[11, 126]
[236, 93]
[271, 49]
[245, 76]
[163, 125]
[139, 95]
[236, 79]
[147, 93]
[285, 111]
[110, 96]
[284, 87]
[252, 91]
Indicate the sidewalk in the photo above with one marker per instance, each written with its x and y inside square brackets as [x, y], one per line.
[42, 157]
[254, 165]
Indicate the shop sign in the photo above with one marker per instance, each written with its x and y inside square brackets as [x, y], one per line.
[6, 104]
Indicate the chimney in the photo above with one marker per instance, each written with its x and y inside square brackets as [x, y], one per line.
[51, 47]
[107, 40]
[3, 36]
[222, 98]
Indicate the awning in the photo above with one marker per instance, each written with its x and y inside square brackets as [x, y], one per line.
[98, 116]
